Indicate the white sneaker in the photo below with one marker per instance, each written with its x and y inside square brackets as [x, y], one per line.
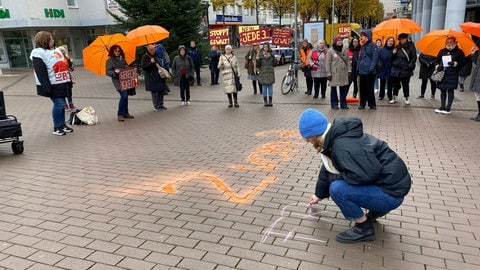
[183, 103]
[446, 112]
[393, 101]
[438, 110]
[407, 102]
[188, 103]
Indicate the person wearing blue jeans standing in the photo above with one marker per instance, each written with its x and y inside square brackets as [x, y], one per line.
[52, 78]
[115, 63]
[359, 171]
[265, 65]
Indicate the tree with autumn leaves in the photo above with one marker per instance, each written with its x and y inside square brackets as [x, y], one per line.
[362, 11]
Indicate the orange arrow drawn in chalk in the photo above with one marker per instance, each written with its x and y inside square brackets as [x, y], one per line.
[169, 187]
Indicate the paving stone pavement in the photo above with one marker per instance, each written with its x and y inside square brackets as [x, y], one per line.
[208, 187]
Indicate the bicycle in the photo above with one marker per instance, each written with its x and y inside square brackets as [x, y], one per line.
[290, 80]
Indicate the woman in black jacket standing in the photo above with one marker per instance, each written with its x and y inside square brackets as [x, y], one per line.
[454, 59]
[153, 82]
[427, 66]
[404, 58]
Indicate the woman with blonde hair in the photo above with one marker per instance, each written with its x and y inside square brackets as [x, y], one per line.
[251, 66]
[66, 58]
[228, 65]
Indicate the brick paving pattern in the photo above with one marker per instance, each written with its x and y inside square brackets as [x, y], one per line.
[208, 187]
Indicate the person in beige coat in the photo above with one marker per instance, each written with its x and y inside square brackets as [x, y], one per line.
[338, 71]
[227, 64]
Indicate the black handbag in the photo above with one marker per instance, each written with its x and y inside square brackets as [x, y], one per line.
[238, 84]
[132, 91]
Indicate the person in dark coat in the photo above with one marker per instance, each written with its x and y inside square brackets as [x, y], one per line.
[427, 66]
[366, 69]
[115, 63]
[353, 163]
[164, 58]
[385, 59]
[266, 73]
[404, 59]
[213, 66]
[464, 72]
[454, 59]
[183, 70]
[153, 82]
[353, 55]
[475, 82]
[196, 56]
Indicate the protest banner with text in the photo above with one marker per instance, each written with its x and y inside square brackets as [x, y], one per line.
[255, 36]
[128, 78]
[218, 36]
[282, 37]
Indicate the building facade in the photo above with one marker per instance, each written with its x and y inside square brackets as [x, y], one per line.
[73, 23]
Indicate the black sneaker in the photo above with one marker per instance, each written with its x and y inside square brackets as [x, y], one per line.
[58, 131]
[67, 129]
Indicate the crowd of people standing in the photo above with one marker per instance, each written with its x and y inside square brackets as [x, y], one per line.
[372, 67]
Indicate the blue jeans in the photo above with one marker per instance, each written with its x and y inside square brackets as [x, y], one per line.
[267, 90]
[58, 114]
[334, 96]
[352, 198]
[123, 103]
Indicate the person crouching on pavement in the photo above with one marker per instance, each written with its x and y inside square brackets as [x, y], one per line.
[359, 171]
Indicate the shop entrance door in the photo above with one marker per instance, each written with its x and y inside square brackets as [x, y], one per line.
[18, 51]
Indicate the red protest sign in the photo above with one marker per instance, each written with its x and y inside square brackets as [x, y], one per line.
[255, 36]
[282, 37]
[218, 36]
[128, 78]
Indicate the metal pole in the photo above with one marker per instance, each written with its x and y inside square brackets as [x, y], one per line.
[349, 11]
[295, 42]
[333, 19]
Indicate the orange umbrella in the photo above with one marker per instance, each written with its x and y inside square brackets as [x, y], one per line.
[434, 41]
[95, 55]
[394, 27]
[471, 27]
[147, 34]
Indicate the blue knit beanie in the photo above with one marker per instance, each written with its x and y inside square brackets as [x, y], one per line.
[312, 123]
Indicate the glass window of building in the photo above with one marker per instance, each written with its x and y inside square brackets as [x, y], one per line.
[72, 3]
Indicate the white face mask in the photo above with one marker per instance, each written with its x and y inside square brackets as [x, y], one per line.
[450, 47]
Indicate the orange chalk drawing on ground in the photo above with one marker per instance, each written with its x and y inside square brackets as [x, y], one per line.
[262, 158]
[169, 188]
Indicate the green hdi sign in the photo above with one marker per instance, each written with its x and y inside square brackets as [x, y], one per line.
[54, 13]
[4, 14]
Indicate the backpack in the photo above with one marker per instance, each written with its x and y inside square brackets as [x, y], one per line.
[163, 56]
